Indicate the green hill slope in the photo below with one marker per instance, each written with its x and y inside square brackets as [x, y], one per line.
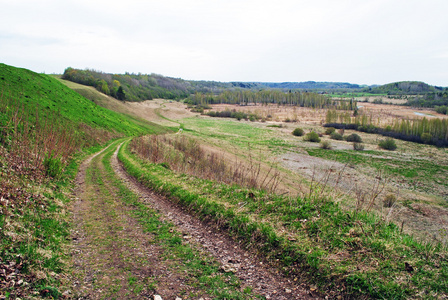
[51, 96]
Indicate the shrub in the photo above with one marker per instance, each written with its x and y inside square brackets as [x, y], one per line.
[358, 146]
[329, 130]
[426, 137]
[298, 132]
[388, 144]
[353, 138]
[442, 110]
[312, 137]
[325, 145]
[336, 136]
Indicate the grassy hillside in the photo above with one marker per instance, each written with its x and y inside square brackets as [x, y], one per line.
[45, 130]
[51, 96]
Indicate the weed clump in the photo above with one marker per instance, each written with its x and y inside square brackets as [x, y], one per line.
[186, 155]
[389, 200]
[388, 144]
[358, 146]
[53, 165]
[325, 145]
[312, 137]
[298, 132]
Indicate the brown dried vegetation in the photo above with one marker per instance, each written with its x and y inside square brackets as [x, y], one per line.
[186, 155]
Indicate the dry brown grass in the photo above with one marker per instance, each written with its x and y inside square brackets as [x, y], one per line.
[185, 155]
[277, 113]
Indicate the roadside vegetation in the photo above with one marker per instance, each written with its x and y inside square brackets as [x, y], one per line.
[45, 129]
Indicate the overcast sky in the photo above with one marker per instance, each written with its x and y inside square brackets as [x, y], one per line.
[357, 41]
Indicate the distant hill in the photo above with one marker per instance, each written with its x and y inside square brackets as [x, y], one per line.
[139, 87]
[422, 94]
[404, 88]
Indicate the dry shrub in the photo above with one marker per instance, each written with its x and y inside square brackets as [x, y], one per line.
[389, 200]
[35, 143]
[325, 145]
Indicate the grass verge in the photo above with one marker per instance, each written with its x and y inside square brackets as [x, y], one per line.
[354, 254]
[35, 228]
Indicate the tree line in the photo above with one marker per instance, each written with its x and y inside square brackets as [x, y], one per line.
[428, 131]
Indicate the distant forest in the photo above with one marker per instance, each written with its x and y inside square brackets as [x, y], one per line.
[139, 87]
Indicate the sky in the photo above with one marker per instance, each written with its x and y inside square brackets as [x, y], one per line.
[356, 41]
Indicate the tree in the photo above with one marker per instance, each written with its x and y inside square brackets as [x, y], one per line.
[120, 94]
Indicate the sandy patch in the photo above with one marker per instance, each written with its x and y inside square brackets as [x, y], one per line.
[163, 112]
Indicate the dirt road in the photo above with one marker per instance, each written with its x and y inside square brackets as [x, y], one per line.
[130, 243]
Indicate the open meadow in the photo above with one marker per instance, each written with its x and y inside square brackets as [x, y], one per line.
[414, 175]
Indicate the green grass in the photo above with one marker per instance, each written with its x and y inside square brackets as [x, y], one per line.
[240, 134]
[348, 253]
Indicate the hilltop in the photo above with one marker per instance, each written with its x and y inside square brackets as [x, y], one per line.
[404, 88]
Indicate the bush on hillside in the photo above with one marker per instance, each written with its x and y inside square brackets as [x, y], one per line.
[325, 145]
[353, 138]
[336, 136]
[330, 130]
[298, 132]
[312, 137]
[388, 144]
